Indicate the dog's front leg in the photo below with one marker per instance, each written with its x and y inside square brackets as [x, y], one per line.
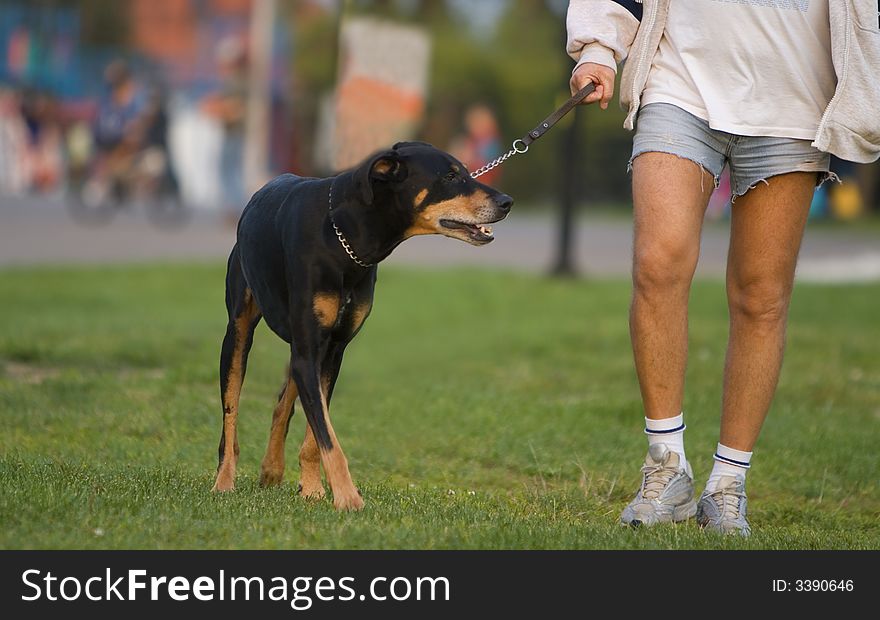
[309, 455]
[345, 495]
[310, 485]
[306, 371]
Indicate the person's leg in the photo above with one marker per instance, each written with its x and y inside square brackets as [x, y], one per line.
[232, 173]
[767, 224]
[670, 195]
[676, 162]
[766, 229]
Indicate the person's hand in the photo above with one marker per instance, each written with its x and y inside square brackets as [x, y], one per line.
[601, 76]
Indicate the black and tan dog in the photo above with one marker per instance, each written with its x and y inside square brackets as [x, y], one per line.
[305, 261]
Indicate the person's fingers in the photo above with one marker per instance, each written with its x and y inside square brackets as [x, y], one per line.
[581, 78]
[607, 91]
[601, 76]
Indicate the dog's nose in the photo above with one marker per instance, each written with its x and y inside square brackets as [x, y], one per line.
[503, 202]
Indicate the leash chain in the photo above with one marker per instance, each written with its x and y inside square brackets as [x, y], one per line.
[515, 149]
[342, 240]
[521, 145]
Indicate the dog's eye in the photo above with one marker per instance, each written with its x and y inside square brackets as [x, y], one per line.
[452, 175]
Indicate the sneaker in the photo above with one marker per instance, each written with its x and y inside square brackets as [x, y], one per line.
[667, 493]
[724, 509]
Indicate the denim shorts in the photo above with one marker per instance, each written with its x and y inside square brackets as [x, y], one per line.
[666, 128]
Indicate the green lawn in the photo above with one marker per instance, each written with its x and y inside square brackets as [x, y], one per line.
[478, 410]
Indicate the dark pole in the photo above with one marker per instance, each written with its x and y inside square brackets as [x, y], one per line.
[569, 165]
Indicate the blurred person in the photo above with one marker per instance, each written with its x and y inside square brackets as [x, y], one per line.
[228, 106]
[130, 136]
[44, 149]
[869, 181]
[719, 202]
[120, 124]
[156, 158]
[120, 127]
[747, 84]
[14, 171]
[480, 143]
[79, 146]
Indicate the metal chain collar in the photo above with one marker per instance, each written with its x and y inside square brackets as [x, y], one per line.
[342, 240]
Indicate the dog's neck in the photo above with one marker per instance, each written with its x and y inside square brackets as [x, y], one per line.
[371, 231]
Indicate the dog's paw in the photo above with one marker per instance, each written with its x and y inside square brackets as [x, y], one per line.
[348, 501]
[225, 480]
[311, 491]
[222, 486]
[270, 478]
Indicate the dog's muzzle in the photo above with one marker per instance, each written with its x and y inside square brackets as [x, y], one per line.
[478, 231]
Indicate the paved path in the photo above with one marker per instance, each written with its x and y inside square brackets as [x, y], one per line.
[39, 231]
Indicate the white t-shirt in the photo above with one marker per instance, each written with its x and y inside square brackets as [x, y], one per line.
[748, 67]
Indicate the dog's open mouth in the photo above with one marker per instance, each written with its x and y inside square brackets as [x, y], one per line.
[477, 233]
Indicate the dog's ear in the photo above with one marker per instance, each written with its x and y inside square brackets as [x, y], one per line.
[383, 167]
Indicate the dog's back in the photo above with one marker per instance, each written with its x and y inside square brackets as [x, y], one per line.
[274, 218]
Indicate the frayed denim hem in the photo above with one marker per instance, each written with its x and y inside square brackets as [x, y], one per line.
[715, 177]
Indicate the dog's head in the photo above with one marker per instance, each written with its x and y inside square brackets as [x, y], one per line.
[432, 192]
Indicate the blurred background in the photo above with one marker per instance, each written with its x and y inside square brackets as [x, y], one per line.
[137, 129]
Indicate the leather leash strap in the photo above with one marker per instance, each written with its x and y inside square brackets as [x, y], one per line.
[554, 118]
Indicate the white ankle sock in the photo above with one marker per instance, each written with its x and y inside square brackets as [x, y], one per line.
[728, 462]
[669, 432]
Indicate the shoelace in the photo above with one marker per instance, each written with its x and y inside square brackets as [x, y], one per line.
[729, 501]
[657, 477]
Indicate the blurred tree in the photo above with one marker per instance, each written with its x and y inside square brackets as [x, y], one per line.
[313, 55]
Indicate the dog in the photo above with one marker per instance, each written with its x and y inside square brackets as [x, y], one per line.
[305, 261]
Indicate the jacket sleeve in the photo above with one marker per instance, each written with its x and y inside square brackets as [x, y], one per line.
[601, 31]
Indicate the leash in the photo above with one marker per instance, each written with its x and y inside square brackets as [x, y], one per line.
[521, 145]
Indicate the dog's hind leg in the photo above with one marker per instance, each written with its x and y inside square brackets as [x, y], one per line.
[244, 315]
[272, 470]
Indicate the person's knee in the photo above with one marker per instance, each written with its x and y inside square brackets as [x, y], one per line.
[660, 268]
[758, 301]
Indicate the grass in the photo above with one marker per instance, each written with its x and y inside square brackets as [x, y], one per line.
[477, 409]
